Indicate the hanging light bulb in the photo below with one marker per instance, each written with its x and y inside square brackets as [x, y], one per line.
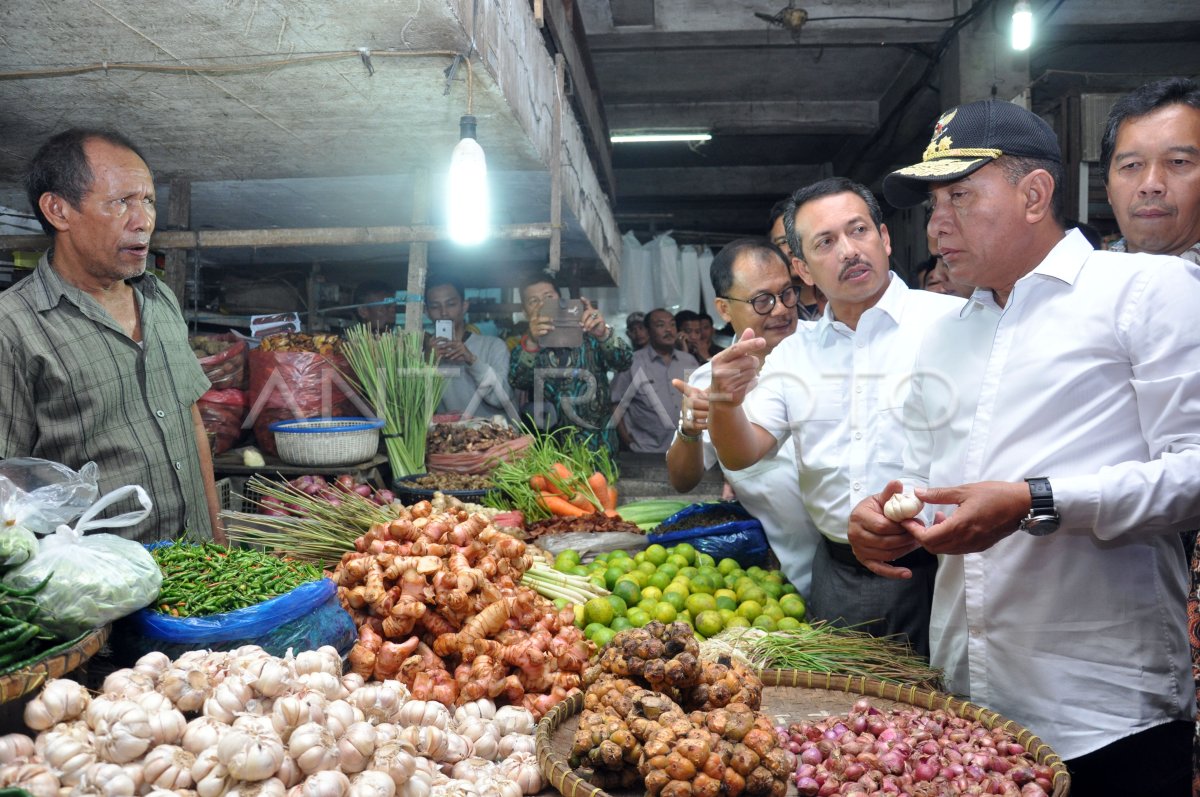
[1022, 25]
[467, 194]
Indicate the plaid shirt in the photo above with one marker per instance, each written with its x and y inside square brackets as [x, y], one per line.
[75, 388]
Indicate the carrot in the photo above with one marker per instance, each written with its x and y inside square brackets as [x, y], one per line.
[539, 483]
[562, 472]
[583, 502]
[557, 505]
[609, 500]
[599, 485]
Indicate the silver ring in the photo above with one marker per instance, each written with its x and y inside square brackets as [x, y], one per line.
[689, 416]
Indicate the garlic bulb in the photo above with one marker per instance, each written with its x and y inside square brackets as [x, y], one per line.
[340, 715]
[229, 699]
[385, 732]
[171, 793]
[420, 785]
[14, 746]
[903, 506]
[209, 774]
[356, 746]
[154, 664]
[393, 758]
[473, 769]
[328, 783]
[251, 753]
[37, 779]
[127, 683]
[372, 784]
[167, 726]
[327, 684]
[271, 787]
[187, 688]
[168, 767]
[454, 788]
[68, 749]
[380, 702]
[429, 741]
[314, 747]
[515, 743]
[323, 659]
[107, 780]
[486, 744]
[269, 676]
[203, 733]
[458, 747]
[353, 681]
[481, 708]
[522, 768]
[153, 701]
[123, 733]
[424, 712]
[514, 719]
[289, 772]
[292, 711]
[61, 700]
[498, 786]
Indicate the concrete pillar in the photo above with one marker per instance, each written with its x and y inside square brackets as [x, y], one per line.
[981, 62]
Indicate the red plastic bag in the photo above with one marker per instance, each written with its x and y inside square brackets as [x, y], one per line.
[222, 412]
[286, 385]
[226, 369]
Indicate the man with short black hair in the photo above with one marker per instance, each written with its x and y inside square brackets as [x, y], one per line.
[476, 365]
[812, 302]
[1063, 444]
[376, 302]
[635, 330]
[1150, 156]
[646, 403]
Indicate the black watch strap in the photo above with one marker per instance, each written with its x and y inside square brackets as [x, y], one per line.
[1042, 496]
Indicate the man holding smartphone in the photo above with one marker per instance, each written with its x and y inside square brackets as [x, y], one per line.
[476, 365]
[568, 385]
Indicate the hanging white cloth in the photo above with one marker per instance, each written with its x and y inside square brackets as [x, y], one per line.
[664, 259]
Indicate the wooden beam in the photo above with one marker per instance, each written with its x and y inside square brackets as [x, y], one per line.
[766, 117]
[539, 13]
[810, 36]
[179, 217]
[716, 181]
[418, 257]
[311, 236]
[556, 148]
[570, 41]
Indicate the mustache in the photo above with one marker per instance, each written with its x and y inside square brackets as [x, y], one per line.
[1154, 204]
[855, 263]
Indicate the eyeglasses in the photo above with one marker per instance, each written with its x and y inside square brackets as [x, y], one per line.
[763, 303]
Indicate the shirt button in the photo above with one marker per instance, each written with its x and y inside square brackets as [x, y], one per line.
[858, 435]
[160, 413]
[861, 345]
[857, 486]
[178, 466]
[858, 388]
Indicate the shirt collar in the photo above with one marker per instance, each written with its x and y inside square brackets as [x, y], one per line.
[54, 288]
[891, 303]
[1191, 254]
[1063, 263]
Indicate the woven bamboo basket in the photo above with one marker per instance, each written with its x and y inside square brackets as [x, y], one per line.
[55, 663]
[790, 696]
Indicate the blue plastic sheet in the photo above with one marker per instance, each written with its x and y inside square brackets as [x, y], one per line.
[741, 540]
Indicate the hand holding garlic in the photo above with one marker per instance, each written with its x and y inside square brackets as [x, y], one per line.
[902, 506]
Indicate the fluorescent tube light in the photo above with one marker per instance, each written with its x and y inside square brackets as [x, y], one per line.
[643, 138]
[1022, 25]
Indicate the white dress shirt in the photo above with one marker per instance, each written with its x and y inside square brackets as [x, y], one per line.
[1089, 376]
[841, 393]
[770, 492]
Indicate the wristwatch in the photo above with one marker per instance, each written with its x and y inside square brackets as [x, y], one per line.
[685, 435]
[1043, 518]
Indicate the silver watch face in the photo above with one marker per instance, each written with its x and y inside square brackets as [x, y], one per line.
[1040, 525]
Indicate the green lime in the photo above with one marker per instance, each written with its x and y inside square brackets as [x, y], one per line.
[671, 570]
[764, 622]
[709, 623]
[753, 594]
[748, 609]
[704, 560]
[659, 579]
[726, 592]
[737, 621]
[684, 617]
[618, 555]
[727, 566]
[649, 568]
[726, 602]
[675, 599]
[591, 629]
[647, 605]
[676, 586]
[566, 560]
[664, 612]
[598, 581]
[639, 557]
[598, 610]
[788, 624]
[677, 560]
[774, 576]
[561, 603]
[639, 617]
[771, 588]
[655, 553]
[773, 611]
[603, 637]
[629, 591]
[653, 593]
[788, 589]
[618, 605]
[700, 602]
[577, 570]
[626, 565]
[579, 616]
[685, 550]
[793, 606]
[726, 614]
[688, 572]
[620, 624]
[638, 577]
[611, 575]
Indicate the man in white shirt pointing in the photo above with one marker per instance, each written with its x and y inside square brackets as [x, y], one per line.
[1068, 418]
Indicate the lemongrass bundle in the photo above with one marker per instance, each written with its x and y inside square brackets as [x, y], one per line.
[402, 383]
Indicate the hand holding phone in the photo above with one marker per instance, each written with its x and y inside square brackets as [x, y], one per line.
[443, 328]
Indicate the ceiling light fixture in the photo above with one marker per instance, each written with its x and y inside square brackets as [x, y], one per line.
[644, 138]
[468, 206]
[1022, 25]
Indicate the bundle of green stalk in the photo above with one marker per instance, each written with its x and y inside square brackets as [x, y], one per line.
[560, 458]
[552, 584]
[401, 382]
[318, 531]
[825, 648]
[206, 579]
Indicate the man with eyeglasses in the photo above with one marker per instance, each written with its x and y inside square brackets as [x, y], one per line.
[837, 387]
[752, 281]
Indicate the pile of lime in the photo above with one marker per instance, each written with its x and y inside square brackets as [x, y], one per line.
[681, 583]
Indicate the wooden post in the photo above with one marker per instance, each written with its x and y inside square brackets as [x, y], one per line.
[539, 13]
[314, 298]
[556, 147]
[179, 217]
[418, 257]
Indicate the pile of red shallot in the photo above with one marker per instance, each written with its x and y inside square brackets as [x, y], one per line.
[911, 751]
[320, 487]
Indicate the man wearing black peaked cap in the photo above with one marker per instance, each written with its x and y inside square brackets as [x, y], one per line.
[1061, 457]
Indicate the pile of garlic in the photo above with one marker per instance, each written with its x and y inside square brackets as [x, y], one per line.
[262, 725]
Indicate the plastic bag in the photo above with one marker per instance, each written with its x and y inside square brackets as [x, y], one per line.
[94, 579]
[40, 495]
[304, 619]
[17, 546]
[222, 413]
[285, 385]
[741, 540]
[590, 544]
[226, 369]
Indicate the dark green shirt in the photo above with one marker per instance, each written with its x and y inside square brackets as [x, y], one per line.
[75, 388]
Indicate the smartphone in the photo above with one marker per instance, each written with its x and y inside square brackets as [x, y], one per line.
[568, 325]
[443, 328]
